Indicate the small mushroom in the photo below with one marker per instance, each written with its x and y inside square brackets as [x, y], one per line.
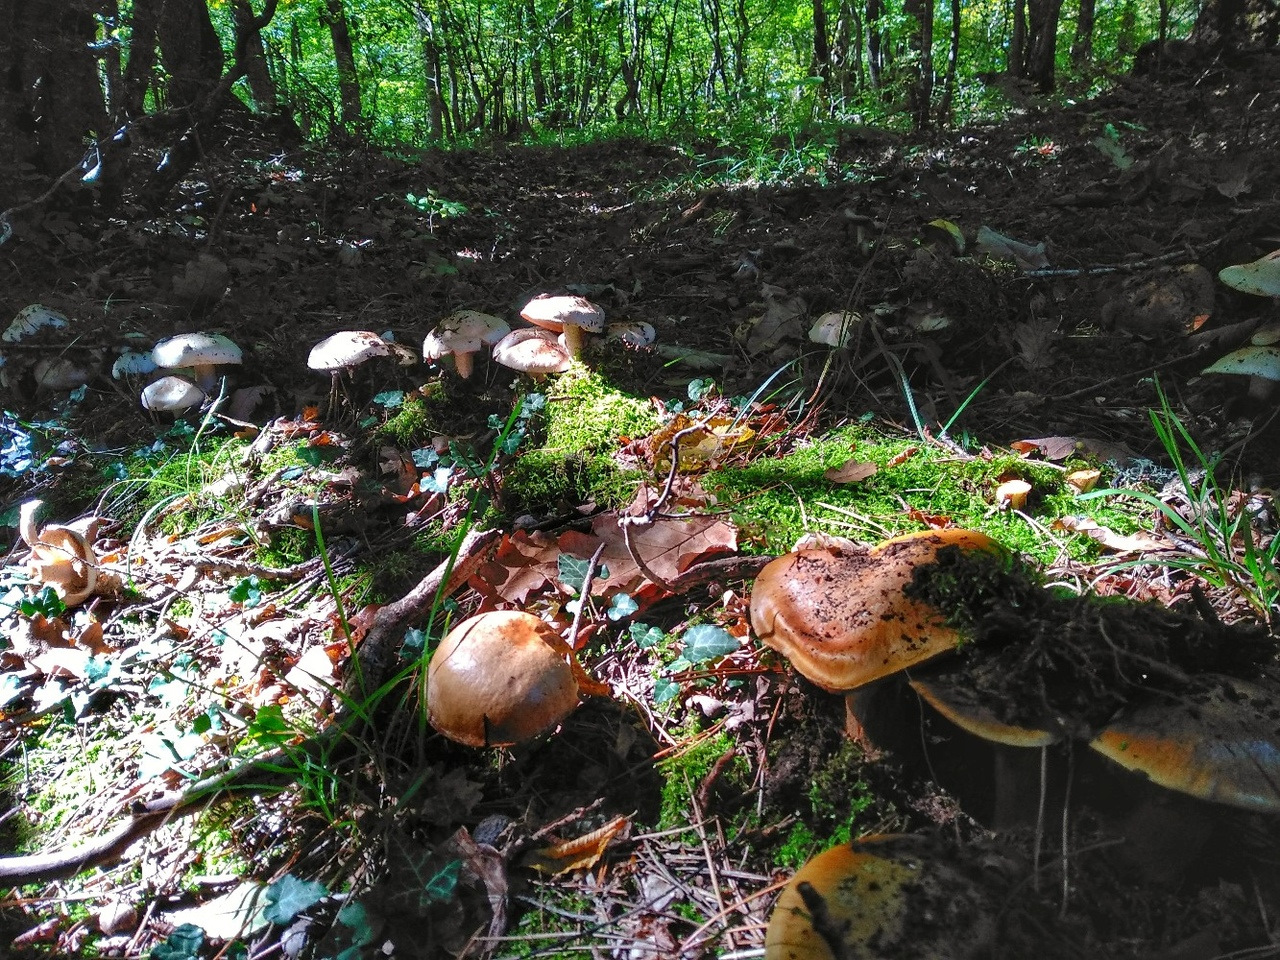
[171, 395]
[61, 556]
[202, 352]
[342, 352]
[1260, 278]
[834, 329]
[570, 315]
[867, 899]
[634, 333]
[58, 374]
[1260, 363]
[842, 619]
[462, 335]
[1012, 494]
[501, 678]
[131, 363]
[1219, 742]
[535, 352]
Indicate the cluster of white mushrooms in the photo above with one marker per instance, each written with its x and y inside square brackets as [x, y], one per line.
[190, 362]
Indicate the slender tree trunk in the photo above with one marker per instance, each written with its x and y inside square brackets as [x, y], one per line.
[920, 39]
[953, 62]
[431, 67]
[822, 48]
[875, 43]
[1082, 43]
[189, 50]
[261, 86]
[142, 55]
[1016, 66]
[334, 16]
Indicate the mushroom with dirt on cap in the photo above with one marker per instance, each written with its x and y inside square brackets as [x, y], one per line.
[462, 335]
[503, 677]
[535, 352]
[202, 352]
[341, 353]
[842, 619]
[573, 316]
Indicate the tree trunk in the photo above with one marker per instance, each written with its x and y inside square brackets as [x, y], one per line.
[1225, 26]
[189, 51]
[1082, 44]
[1044, 42]
[334, 16]
[953, 62]
[821, 46]
[433, 73]
[1016, 65]
[920, 73]
[261, 86]
[53, 98]
[875, 42]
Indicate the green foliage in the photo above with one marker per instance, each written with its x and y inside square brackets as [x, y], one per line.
[685, 770]
[1232, 555]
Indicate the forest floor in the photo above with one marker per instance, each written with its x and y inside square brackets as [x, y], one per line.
[713, 770]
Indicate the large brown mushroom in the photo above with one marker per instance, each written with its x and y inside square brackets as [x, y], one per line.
[841, 617]
[62, 557]
[1219, 742]
[501, 678]
[883, 896]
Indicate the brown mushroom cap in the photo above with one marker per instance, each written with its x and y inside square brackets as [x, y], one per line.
[61, 557]
[1220, 742]
[570, 315]
[874, 897]
[842, 618]
[958, 702]
[500, 678]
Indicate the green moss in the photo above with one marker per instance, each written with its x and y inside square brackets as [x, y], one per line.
[684, 771]
[418, 418]
[587, 416]
[586, 421]
[774, 501]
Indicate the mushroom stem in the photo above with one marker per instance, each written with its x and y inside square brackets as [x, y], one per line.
[206, 375]
[464, 363]
[574, 340]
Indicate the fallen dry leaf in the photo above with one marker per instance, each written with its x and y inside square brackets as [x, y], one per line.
[580, 854]
[851, 471]
[1122, 543]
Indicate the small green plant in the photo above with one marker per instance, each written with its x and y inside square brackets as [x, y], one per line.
[1216, 520]
[435, 207]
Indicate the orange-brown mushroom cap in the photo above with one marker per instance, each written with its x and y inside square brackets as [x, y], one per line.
[961, 705]
[842, 618]
[873, 896]
[1221, 743]
[500, 678]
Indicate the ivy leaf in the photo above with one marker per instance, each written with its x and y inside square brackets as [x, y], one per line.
[621, 606]
[390, 399]
[183, 944]
[665, 690]
[289, 896]
[706, 642]
[248, 591]
[645, 636]
[572, 571]
[440, 887]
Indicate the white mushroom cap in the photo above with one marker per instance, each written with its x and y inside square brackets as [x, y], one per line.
[463, 334]
[1260, 363]
[834, 329]
[200, 351]
[637, 333]
[132, 363]
[535, 351]
[171, 394]
[571, 315]
[346, 348]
